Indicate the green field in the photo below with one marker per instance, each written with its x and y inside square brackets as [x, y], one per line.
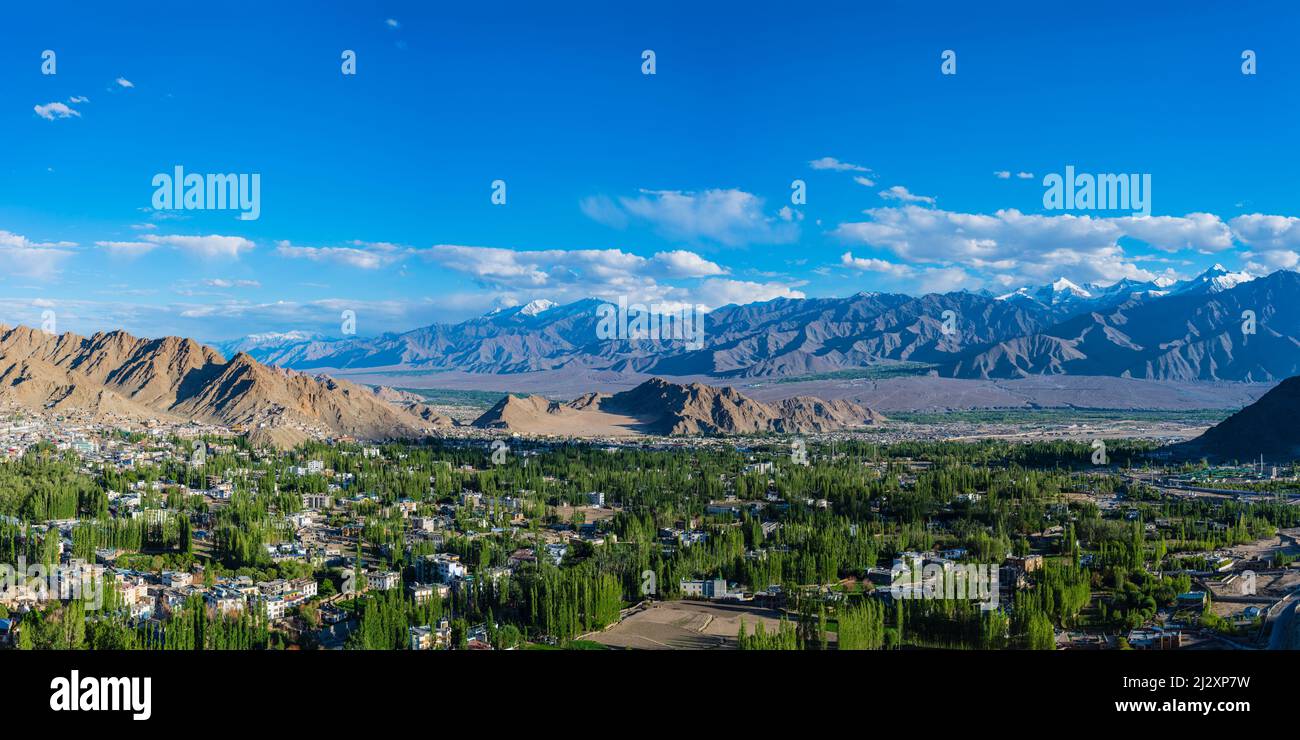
[1061, 415]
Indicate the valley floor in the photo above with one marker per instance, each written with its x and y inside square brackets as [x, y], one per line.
[920, 393]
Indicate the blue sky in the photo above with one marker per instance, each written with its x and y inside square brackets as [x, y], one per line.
[375, 188]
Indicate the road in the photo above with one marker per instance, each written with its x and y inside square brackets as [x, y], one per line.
[1283, 635]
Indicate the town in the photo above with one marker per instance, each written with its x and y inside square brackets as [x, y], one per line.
[187, 536]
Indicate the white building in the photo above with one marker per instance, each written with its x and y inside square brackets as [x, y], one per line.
[383, 580]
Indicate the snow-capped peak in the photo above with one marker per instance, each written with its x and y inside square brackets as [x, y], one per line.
[1063, 285]
[278, 337]
[532, 308]
[1216, 279]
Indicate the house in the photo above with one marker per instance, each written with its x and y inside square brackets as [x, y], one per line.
[556, 551]
[1154, 638]
[300, 589]
[1027, 563]
[423, 593]
[383, 580]
[421, 638]
[430, 637]
[521, 556]
[710, 589]
[442, 568]
[596, 498]
[274, 606]
[226, 602]
[905, 563]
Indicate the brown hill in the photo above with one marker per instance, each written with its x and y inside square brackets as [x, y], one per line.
[413, 404]
[117, 375]
[1266, 427]
[662, 408]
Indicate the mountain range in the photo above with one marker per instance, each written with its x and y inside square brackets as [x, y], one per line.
[115, 376]
[1190, 330]
[663, 408]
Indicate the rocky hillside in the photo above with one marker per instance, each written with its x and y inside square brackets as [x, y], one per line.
[1160, 330]
[1266, 427]
[116, 375]
[662, 408]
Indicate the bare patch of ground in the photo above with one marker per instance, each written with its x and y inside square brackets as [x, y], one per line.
[589, 513]
[686, 625]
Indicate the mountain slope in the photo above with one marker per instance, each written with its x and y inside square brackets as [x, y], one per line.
[1189, 330]
[1193, 334]
[662, 408]
[117, 375]
[1266, 427]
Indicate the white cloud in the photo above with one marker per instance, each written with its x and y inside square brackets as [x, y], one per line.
[225, 284]
[872, 264]
[1273, 241]
[681, 263]
[1259, 263]
[50, 111]
[1267, 232]
[1200, 231]
[1025, 175]
[602, 209]
[124, 82]
[900, 193]
[831, 163]
[716, 292]
[569, 275]
[228, 318]
[1030, 247]
[361, 255]
[127, 249]
[78, 99]
[392, 23]
[945, 280]
[1002, 174]
[26, 258]
[727, 217]
[213, 246]
[864, 181]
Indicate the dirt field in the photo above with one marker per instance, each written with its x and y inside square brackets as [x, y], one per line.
[592, 513]
[1288, 541]
[686, 625]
